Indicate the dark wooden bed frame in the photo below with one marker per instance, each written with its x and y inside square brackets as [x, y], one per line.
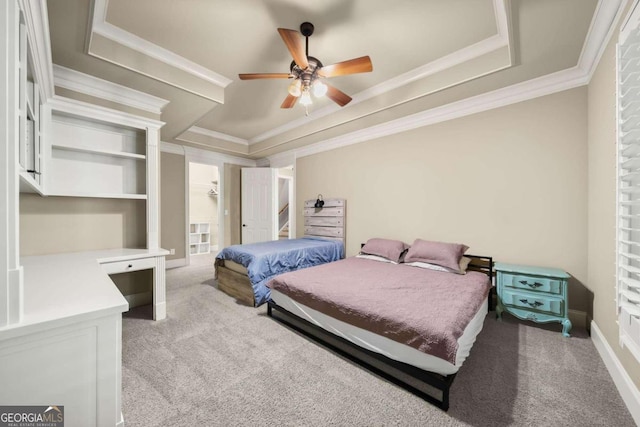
[432, 387]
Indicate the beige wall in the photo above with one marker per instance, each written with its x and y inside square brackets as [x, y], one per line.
[71, 224]
[510, 183]
[601, 209]
[172, 204]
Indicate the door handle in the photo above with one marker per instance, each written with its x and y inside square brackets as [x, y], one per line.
[244, 225]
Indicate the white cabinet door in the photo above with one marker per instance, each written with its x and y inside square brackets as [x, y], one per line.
[259, 195]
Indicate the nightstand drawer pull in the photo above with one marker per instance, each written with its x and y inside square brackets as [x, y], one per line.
[534, 304]
[549, 285]
[532, 300]
[531, 285]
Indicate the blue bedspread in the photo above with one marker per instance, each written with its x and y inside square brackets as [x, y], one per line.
[267, 259]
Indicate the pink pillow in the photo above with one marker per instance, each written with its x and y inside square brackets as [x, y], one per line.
[390, 249]
[440, 253]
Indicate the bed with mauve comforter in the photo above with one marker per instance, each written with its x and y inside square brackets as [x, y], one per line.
[424, 318]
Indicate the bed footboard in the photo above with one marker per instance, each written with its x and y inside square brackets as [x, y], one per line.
[432, 387]
[235, 284]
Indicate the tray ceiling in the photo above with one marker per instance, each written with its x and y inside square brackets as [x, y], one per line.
[425, 53]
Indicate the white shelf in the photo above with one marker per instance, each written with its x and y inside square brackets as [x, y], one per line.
[100, 152]
[94, 158]
[199, 238]
[99, 195]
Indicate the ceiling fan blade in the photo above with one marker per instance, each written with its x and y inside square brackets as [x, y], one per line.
[289, 101]
[252, 76]
[295, 45]
[352, 66]
[337, 96]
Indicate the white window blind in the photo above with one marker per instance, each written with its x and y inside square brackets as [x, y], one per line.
[628, 186]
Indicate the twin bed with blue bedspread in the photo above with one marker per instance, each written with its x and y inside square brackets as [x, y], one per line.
[243, 271]
[265, 260]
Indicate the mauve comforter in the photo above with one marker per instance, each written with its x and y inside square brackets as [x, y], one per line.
[425, 309]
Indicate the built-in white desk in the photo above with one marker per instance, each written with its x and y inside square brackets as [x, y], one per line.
[67, 350]
[124, 260]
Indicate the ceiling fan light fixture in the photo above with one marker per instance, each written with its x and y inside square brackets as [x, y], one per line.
[319, 89]
[294, 88]
[305, 98]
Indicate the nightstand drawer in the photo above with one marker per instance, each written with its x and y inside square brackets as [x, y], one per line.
[532, 283]
[531, 301]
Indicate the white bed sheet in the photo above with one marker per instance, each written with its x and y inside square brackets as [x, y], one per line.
[385, 346]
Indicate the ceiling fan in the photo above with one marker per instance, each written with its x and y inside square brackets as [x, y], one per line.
[307, 71]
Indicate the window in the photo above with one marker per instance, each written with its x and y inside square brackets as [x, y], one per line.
[628, 185]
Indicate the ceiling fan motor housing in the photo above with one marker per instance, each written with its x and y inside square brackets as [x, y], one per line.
[309, 74]
[306, 29]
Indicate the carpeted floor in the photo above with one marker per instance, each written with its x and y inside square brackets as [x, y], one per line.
[213, 362]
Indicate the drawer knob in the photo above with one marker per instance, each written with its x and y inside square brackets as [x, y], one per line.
[129, 266]
[532, 304]
[531, 285]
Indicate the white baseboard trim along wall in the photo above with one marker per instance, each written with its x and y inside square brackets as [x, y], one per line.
[175, 263]
[629, 392]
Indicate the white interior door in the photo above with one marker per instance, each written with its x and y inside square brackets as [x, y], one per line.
[259, 200]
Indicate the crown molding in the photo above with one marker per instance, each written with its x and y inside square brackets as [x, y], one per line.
[603, 24]
[99, 25]
[37, 21]
[90, 85]
[195, 154]
[168, 147]
[85, 109]
[483, 47]
[263, 163]
[280, 160]
[601, 29]
[113, 44]
[217, 135]
[541, 86]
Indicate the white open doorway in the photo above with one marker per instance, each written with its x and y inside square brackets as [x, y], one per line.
[268, 201]
[204, 207]
[286, 210]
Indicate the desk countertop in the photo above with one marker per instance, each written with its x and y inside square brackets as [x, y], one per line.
[71, 287]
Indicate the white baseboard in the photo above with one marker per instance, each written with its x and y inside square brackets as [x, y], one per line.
[175, 263]
[628, 390]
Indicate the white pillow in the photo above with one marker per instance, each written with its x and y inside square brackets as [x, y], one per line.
[375, 258]
[464, 263]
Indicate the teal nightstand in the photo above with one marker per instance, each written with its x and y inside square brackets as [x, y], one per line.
[533, 293]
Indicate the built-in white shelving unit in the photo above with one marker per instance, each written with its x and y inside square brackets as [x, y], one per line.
[199, 238]
[63, 310]
[92, 158]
